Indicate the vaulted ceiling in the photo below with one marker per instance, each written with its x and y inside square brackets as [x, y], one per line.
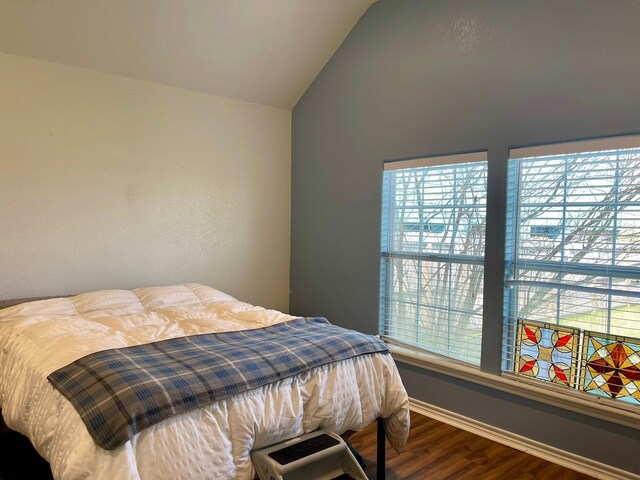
[263, 51]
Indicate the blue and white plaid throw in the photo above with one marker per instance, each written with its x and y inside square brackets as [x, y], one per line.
[122, 391]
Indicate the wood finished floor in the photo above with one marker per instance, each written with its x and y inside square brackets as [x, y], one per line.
[437, 451]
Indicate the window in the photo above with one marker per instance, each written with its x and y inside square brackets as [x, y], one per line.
[572, 301]
[432, 265]
[570, 332]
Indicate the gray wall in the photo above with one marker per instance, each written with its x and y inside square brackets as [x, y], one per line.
[428, 77]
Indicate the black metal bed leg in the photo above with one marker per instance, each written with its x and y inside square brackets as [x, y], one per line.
[380, 468]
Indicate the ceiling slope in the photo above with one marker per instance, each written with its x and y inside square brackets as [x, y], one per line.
[262, 51]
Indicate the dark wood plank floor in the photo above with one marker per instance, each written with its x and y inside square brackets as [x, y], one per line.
[437, 451]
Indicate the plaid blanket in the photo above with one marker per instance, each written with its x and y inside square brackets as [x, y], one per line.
[120, 392]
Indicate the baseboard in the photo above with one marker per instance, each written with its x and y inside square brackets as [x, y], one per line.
[532, 447]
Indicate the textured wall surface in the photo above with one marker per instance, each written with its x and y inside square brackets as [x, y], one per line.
[108, 182]
[417, 78]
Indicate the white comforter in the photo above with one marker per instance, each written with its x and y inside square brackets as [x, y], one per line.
[214, 442]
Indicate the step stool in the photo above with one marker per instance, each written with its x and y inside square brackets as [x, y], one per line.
[320, 455]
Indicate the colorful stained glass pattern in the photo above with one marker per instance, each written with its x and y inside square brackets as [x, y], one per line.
[547, 352]
[612, 367]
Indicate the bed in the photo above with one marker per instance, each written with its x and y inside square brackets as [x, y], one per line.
[38, 338]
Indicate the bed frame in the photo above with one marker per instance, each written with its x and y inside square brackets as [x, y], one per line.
[380, 435]
[380, 451]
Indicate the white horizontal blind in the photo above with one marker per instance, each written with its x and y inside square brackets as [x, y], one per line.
[573, 245]
[432, 264]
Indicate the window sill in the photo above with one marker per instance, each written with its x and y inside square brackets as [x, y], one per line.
[598, 407]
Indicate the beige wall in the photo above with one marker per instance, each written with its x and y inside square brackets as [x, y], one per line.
[109, 182]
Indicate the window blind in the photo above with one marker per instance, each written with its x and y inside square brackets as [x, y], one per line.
[572, 303]
[432, 261]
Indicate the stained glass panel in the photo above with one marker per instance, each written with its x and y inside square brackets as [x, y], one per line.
[547, 352]
[612, 367]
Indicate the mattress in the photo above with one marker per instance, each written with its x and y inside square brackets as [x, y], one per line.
[40, 337]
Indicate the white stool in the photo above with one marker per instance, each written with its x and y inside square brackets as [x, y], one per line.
[319, 455]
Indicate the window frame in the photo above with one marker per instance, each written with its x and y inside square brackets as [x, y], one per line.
[490, 373]
[582, 189]
[386, 254]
